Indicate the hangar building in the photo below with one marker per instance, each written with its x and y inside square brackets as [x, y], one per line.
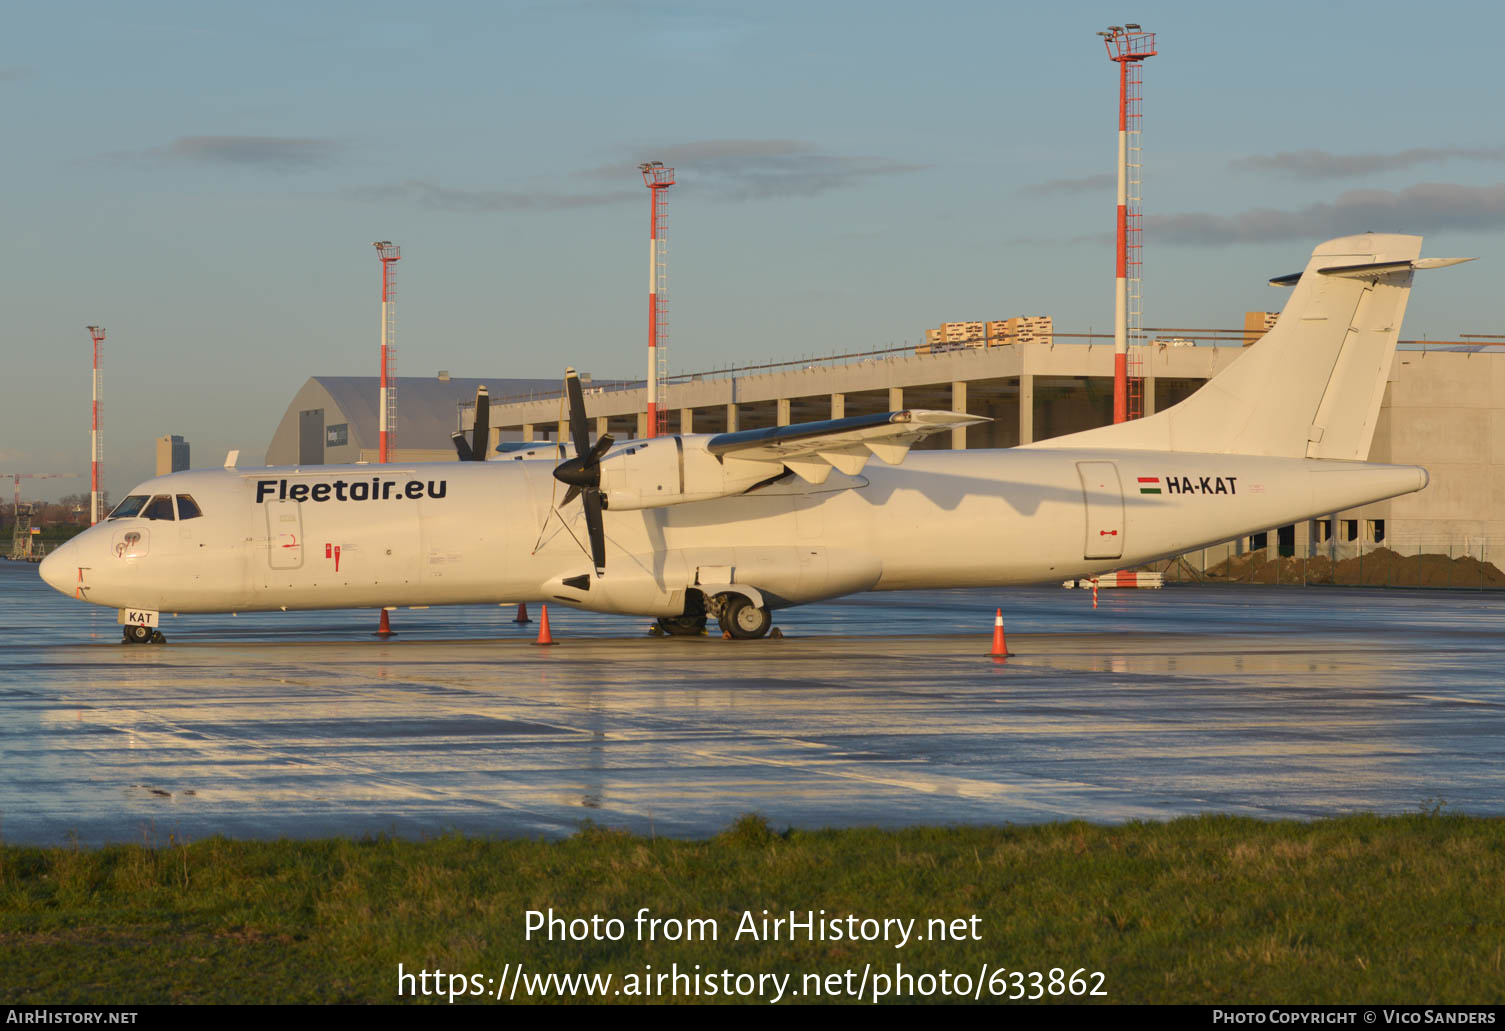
[332, 420]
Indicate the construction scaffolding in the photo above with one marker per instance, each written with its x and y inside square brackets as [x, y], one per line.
[20, 538]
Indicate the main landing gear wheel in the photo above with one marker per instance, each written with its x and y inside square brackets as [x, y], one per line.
[744, 620]
[682, 626]
[138, 634]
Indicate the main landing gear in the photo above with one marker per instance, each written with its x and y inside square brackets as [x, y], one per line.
[742, 619]
[682, 626]
[143, 635]
[736, 613]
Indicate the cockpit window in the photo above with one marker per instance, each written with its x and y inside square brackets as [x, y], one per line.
[129, 507]
[160, 507]
[187, 507]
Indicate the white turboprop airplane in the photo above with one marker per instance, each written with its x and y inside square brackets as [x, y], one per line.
[734, 525]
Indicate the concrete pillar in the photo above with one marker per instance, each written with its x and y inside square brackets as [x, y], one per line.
[731, 418]
[895, 399]
[783, 418]
[686, 420]
[642, 426]
[959, 404]
[1026, 408]
[527, 433]
[601, 426]
[1149, 380]
[838, 406]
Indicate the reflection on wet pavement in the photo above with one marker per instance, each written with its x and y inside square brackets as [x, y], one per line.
[877, 710]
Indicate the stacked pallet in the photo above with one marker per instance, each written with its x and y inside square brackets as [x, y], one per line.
[953, 336]
[1022, 329]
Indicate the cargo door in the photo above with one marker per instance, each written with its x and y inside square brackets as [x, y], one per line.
[1103, 500]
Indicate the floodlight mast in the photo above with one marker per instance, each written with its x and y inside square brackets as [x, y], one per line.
[1128, 45]
[658, 178]
[389, 254]
[96, 334]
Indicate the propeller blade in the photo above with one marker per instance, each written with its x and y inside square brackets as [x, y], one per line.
[602, 446]
[592, 499]
[482, 436]
[570, 495]
[462, 447]
[579, 426]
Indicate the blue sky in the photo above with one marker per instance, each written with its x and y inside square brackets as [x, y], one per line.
[205, 180]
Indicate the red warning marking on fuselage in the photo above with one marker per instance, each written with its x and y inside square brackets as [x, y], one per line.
[1107, 533]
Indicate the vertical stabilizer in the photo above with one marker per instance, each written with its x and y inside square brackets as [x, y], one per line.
[1311, 387]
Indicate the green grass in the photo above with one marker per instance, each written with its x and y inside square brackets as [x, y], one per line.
[1212, 909]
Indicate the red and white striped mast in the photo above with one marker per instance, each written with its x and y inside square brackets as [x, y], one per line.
[390, 254]
[658, 178]
[1128, 45]
[97, 334]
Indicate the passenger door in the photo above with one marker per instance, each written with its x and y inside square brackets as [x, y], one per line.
[284, 540]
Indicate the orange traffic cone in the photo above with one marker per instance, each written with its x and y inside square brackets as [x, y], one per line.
[522, 613]
[384, 630]
[1000, 647]
[544, 637]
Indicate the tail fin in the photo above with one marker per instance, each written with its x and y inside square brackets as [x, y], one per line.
[1311, 387]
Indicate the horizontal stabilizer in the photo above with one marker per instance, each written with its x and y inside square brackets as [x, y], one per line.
[1373, 270]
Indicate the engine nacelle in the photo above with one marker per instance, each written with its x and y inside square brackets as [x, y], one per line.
[675, 470]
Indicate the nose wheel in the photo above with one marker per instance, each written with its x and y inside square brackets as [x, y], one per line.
[143, 635]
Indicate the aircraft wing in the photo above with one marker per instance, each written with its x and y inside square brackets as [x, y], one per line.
[813, 449]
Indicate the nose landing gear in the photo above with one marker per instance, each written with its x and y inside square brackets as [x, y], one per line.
[143, 635]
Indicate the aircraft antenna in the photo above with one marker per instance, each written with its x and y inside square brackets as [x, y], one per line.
[96, 445]
[1129, 46]
[389, 254]
[658, 178]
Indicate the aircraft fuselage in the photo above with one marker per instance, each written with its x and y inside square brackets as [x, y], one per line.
[486, 532]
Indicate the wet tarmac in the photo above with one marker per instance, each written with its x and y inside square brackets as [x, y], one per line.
[877, 710]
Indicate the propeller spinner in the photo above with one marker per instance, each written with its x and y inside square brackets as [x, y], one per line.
[583, 472]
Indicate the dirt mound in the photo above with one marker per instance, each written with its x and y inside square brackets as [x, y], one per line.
[1379, 568]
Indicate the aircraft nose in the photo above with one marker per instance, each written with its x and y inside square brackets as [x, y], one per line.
[57, 568]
